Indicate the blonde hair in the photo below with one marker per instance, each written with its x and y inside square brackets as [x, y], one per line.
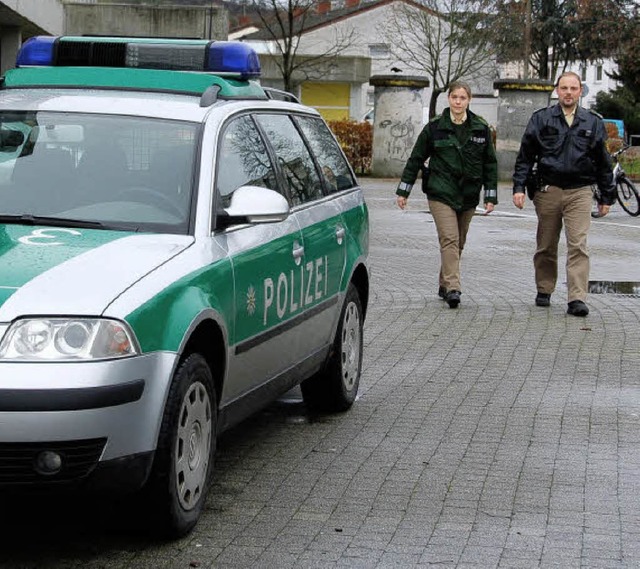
[455, 85]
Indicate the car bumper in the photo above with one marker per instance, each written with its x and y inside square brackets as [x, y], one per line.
[101, 417]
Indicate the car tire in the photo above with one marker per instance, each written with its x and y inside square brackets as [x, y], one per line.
[183, 464]
[334, 388]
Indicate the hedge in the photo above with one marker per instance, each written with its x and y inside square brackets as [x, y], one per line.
[356, 140]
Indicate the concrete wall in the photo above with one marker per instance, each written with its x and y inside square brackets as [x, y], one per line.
[45, 15]
[517, 100]
[399, 104]
[345, 69]
[10, 42]
[21, 19]
[145, 20]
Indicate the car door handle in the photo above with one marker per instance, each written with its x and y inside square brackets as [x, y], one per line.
[340, 232]
[298, 252]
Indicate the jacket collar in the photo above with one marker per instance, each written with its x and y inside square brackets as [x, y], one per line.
[580, 112]
[446, 122]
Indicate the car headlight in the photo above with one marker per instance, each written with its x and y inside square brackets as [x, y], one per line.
[55, 339]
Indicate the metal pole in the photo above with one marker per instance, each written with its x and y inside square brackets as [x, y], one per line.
[211, 19]
[527, 37]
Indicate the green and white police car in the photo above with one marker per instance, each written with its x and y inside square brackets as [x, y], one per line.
[178, 247]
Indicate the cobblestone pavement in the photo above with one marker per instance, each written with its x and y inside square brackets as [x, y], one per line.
[496, 435]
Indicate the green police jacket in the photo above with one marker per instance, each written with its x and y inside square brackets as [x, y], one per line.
[458, 170]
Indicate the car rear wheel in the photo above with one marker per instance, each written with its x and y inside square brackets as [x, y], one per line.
[183, 465]
[334, 388]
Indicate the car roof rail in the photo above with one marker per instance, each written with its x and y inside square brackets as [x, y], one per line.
[280, 95]
[210, 96]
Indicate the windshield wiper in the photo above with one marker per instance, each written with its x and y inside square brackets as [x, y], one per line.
[29, 219]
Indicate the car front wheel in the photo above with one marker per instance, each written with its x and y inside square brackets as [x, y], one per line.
[183, 465]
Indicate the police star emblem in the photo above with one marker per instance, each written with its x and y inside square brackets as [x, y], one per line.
[251, 300]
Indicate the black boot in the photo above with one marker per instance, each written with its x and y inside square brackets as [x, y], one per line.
[453, 298]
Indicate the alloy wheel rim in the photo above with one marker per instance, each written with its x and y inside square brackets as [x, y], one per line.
[193, 444]
[350, 348]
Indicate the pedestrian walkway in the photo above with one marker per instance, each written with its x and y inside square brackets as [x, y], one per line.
[515, 429]
[498, 435]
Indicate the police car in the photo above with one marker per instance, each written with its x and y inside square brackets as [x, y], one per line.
[178, 247]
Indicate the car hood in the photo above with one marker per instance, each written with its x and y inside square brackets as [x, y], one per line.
[63, 271]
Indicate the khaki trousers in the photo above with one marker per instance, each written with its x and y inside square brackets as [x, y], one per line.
[553, 207]
[452, 227]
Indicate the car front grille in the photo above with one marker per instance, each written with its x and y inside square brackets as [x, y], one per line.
[18, 461]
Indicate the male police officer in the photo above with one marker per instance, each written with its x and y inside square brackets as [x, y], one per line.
[568, 144]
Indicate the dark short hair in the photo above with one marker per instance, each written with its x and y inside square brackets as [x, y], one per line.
[454, 85]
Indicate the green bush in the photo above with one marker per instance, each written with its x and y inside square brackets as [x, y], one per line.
[630, 161]
[356, 140]
[620, 104]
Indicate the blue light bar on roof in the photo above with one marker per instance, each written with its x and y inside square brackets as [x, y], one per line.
[37, 51]
[222, 58]
[234, 57]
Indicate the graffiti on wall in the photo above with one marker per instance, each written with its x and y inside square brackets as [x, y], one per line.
[400, 138]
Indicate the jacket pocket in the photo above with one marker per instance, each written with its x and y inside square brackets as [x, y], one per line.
[583, 140]
[473, 153]
[550, 140]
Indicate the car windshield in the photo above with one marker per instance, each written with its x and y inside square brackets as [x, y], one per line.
[130, 173]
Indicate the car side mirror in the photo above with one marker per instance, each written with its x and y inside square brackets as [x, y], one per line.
[254, 204]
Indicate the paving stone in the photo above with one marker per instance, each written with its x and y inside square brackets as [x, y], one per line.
[498, 435]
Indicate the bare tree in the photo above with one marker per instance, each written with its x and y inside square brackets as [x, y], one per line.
[444, 39]
[284, 23]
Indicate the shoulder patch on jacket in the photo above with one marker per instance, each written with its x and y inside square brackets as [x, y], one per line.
[543, 109]
[595, 113]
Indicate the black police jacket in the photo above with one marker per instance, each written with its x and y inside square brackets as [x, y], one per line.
[568, 157]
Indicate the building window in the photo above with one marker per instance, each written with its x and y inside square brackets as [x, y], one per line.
[378, 50]
[598, 73]
[583, 72]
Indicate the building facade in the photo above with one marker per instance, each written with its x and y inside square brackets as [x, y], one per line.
[366, 24]
[339, 89]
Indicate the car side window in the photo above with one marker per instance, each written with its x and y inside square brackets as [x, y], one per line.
[302, 178]
[243, 160]
[334, 166]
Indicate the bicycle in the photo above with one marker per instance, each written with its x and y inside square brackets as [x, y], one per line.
[626, 192]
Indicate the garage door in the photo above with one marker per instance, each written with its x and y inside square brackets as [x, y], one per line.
[331, 99]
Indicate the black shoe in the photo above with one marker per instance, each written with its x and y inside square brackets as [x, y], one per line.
[453, 298]
[543, 299]
[577, 308]
[442, 292]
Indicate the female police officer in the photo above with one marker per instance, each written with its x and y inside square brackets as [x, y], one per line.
[462, 160]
